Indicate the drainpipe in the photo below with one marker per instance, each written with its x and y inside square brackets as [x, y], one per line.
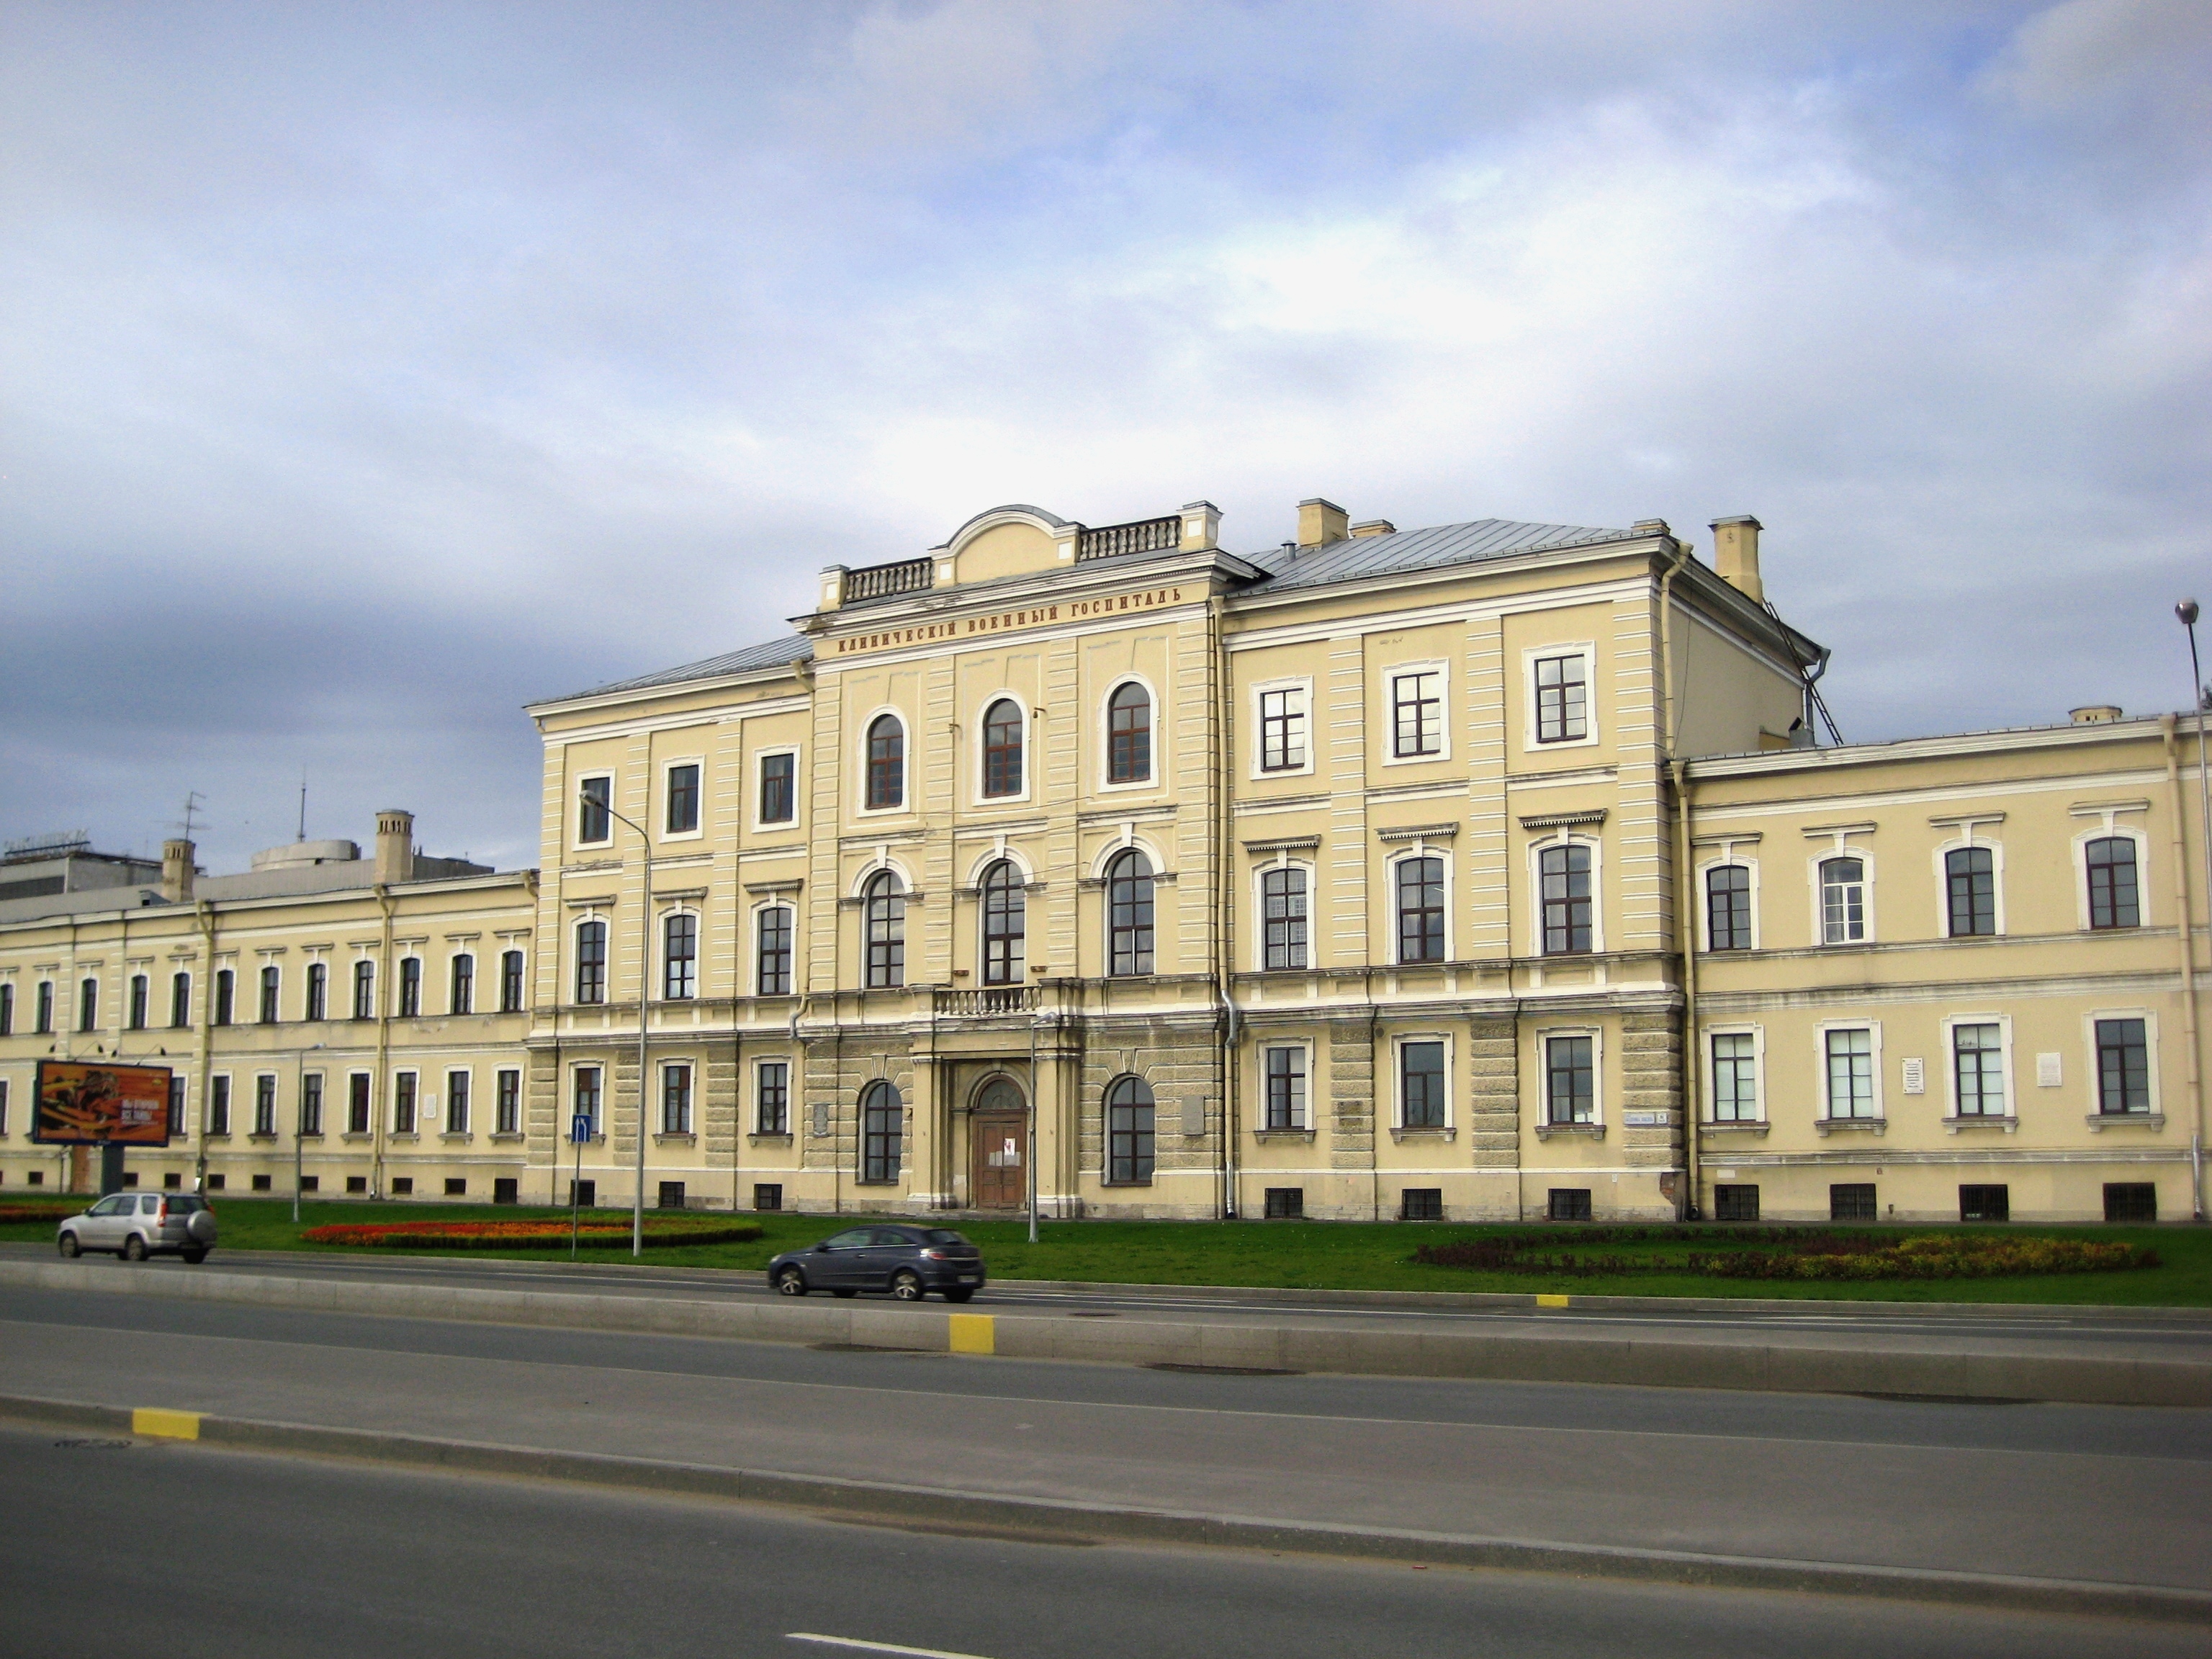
[386, 903]
[1686, 932]
[2167, 729]
[204, 914]
[1224, 902]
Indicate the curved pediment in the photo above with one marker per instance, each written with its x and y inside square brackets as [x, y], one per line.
[1013, 540]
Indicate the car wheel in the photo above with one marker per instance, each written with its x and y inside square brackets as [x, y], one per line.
[960, 1295]
[194, 1256]
[906, 1286]
[844, 1296]
[791, 1282]
[70, 1246]
[134, 1247]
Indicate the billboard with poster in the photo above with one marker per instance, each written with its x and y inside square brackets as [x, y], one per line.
[80, 1105]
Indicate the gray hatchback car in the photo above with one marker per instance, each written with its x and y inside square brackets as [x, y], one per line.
[908, 1261]
[134, 1226]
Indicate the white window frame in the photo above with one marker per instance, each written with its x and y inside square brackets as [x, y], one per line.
[691, 1094]
[1303, 1119]
[776, 826]
[475, 983]
[984, 705]
[1387, 696]
[1106, 785]
[391, 1106]
[1303, 685]
[667, 793]
[1867, 869]
[276, 1092]
[1536, 854]
[1881, 1114]
[860, 807]
[1543, 1036]
[1705, 906]
[230, 1096]
[2090, 1071]
[575, 805]
[1530, 655]
[1260, 873]
[445, 1104]
[1758, 1036]
[681, 907]
[606, 960]
[753, 945]
[600, 1114]
[2108, 830]
[2003, 1023]
[523, 951]
[1398, 1042]
[783, 1061]
[499, 1074]
[1995, 847]
[1417, 849]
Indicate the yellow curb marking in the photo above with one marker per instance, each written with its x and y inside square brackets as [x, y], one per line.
[153, 1421]
[1551, 1300]
[973, 1333]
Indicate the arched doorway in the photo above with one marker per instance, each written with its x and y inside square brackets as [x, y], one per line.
[999, 1146]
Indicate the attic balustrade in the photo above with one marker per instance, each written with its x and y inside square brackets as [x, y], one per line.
[1144, 536]
[876, 581]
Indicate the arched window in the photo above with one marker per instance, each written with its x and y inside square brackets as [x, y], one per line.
[881, 1115]
[180, 1000]
[1283, 904]
[461, 984]
[510, 981]
[679, 956]
[1565, 876]
[1843, 900]
[883, 904]
[1129, 914]
[1002, 748]
[1005, 924]
[1728, 908]
[772, 951]
[886, 762]
[2115, 896]
[1420, 891]
[1970, 874]
[1129, 734]
[272, 981]
[591, 962]
[1129, 1132]
[364, 990]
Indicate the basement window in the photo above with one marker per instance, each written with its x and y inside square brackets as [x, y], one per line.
[1285, 1203]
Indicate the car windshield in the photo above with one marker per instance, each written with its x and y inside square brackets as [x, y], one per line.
[944, 1235]
[185, 1205]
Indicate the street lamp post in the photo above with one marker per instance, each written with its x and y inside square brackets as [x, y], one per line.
[2186, 611]
[644, 996]
[300, 1123]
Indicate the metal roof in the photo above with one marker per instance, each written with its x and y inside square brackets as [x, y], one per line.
[1419, 550]
[773, 654]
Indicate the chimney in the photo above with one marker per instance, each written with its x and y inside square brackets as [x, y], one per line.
[1321, 522]
[177, 871]
[395, 845]
[1736, 555]
[1367, 528]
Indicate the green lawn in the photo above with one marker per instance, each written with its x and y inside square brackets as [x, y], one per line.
[1355, 1255]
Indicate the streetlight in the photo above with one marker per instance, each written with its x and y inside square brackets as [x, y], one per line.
[2186, 611]
[644, 992]
[300, 1123]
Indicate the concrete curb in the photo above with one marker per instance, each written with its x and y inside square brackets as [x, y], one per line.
[1057, 1519]
[1564, 1355]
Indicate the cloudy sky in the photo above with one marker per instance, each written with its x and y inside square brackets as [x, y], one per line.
[369, 370]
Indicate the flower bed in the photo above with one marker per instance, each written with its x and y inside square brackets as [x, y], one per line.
[524, 1235]
[1791, 1254]
[10, 1213]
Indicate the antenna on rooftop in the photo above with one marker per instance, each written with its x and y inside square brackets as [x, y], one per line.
[192, 800]
[303, 804]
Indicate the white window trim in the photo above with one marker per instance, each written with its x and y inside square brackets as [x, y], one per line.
[445, 1104]
[1418, 849]
[886, 864]
[1103, 857]
[860, 807]
[783, 1061]
[1536, 851]
[669, 909]
[1757, 1034]
[753, 946]
[230, 1096]
[1587, 650]
[599, 1117]
[1704, 902]
[984, 705]
[574, 809]
[576, 959]
[499, 1001]
[392, 1105]
[2149, 1017]
[797, 779]
[1543, 1036]
[660, 1096]
[1398, 1042]
[1259, 874]
[2104, 830]
[667, 792]
[1959, 843]
[1106, 785]
[2003, 1023]
[1821, 1068]
[476, 981]
[1305, 1112]
[1387, 692]
[1302, 683]
[1842, 849]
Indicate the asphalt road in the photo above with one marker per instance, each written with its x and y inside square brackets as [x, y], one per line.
[186, 1551]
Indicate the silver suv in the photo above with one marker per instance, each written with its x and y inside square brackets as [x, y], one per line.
[136, 1225]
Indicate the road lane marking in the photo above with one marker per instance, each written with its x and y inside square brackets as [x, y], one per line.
[159, 1424]
[877, 1647]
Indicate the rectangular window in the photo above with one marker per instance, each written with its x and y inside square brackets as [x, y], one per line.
[595, 819]
[1283, 901]
[364, 989]
[1420, 896]
[1978, 1069]
[8, 1010]
[264, 1104]
[319, 990]
[506, 1190]
[778, 797]
[1843, 900]
[772, 1098]
[1851, 1074]
[1735, 1078]
[509, 1118]
[1570, 1080]
[679, 957]
[587, 1096]
[1970, 876]
[2123, 1066]
[683, 799]
[88, 1005]
[1564, 883]
[358, 1104]
[1421, 1085]
[1853, 1200]
[671, 1195]
[311, 1103]
[139, 996]
[1286, 1088]
[272, 983]
[1420, 1204]
[1285, 1203]
[676, 1100]
[2115, 895]
[591, 962]
[767, 1195]
[1736, 1203]
[402, 1103]
[773, 955]
[1985, 1203]
[2130, 1201]
[510, 982]
[457, 1102]
[46, 1009]
[219, 1107]
[176, 1107]
[1417, 714]
[3, 1104]
[411, 987]
[1728, 908]
[461, 985]
[225, 996]
[180, 1001]
[1567, 1204]
[1282, 729]
[1562, 699]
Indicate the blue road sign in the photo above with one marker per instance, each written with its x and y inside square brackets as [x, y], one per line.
[579, 1129]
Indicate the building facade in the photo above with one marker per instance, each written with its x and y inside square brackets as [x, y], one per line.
[1484, 872]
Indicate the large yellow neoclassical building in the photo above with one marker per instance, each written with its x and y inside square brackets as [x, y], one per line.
[1481, 872]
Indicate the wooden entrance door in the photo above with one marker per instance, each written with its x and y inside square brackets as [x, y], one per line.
[999, 1159]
